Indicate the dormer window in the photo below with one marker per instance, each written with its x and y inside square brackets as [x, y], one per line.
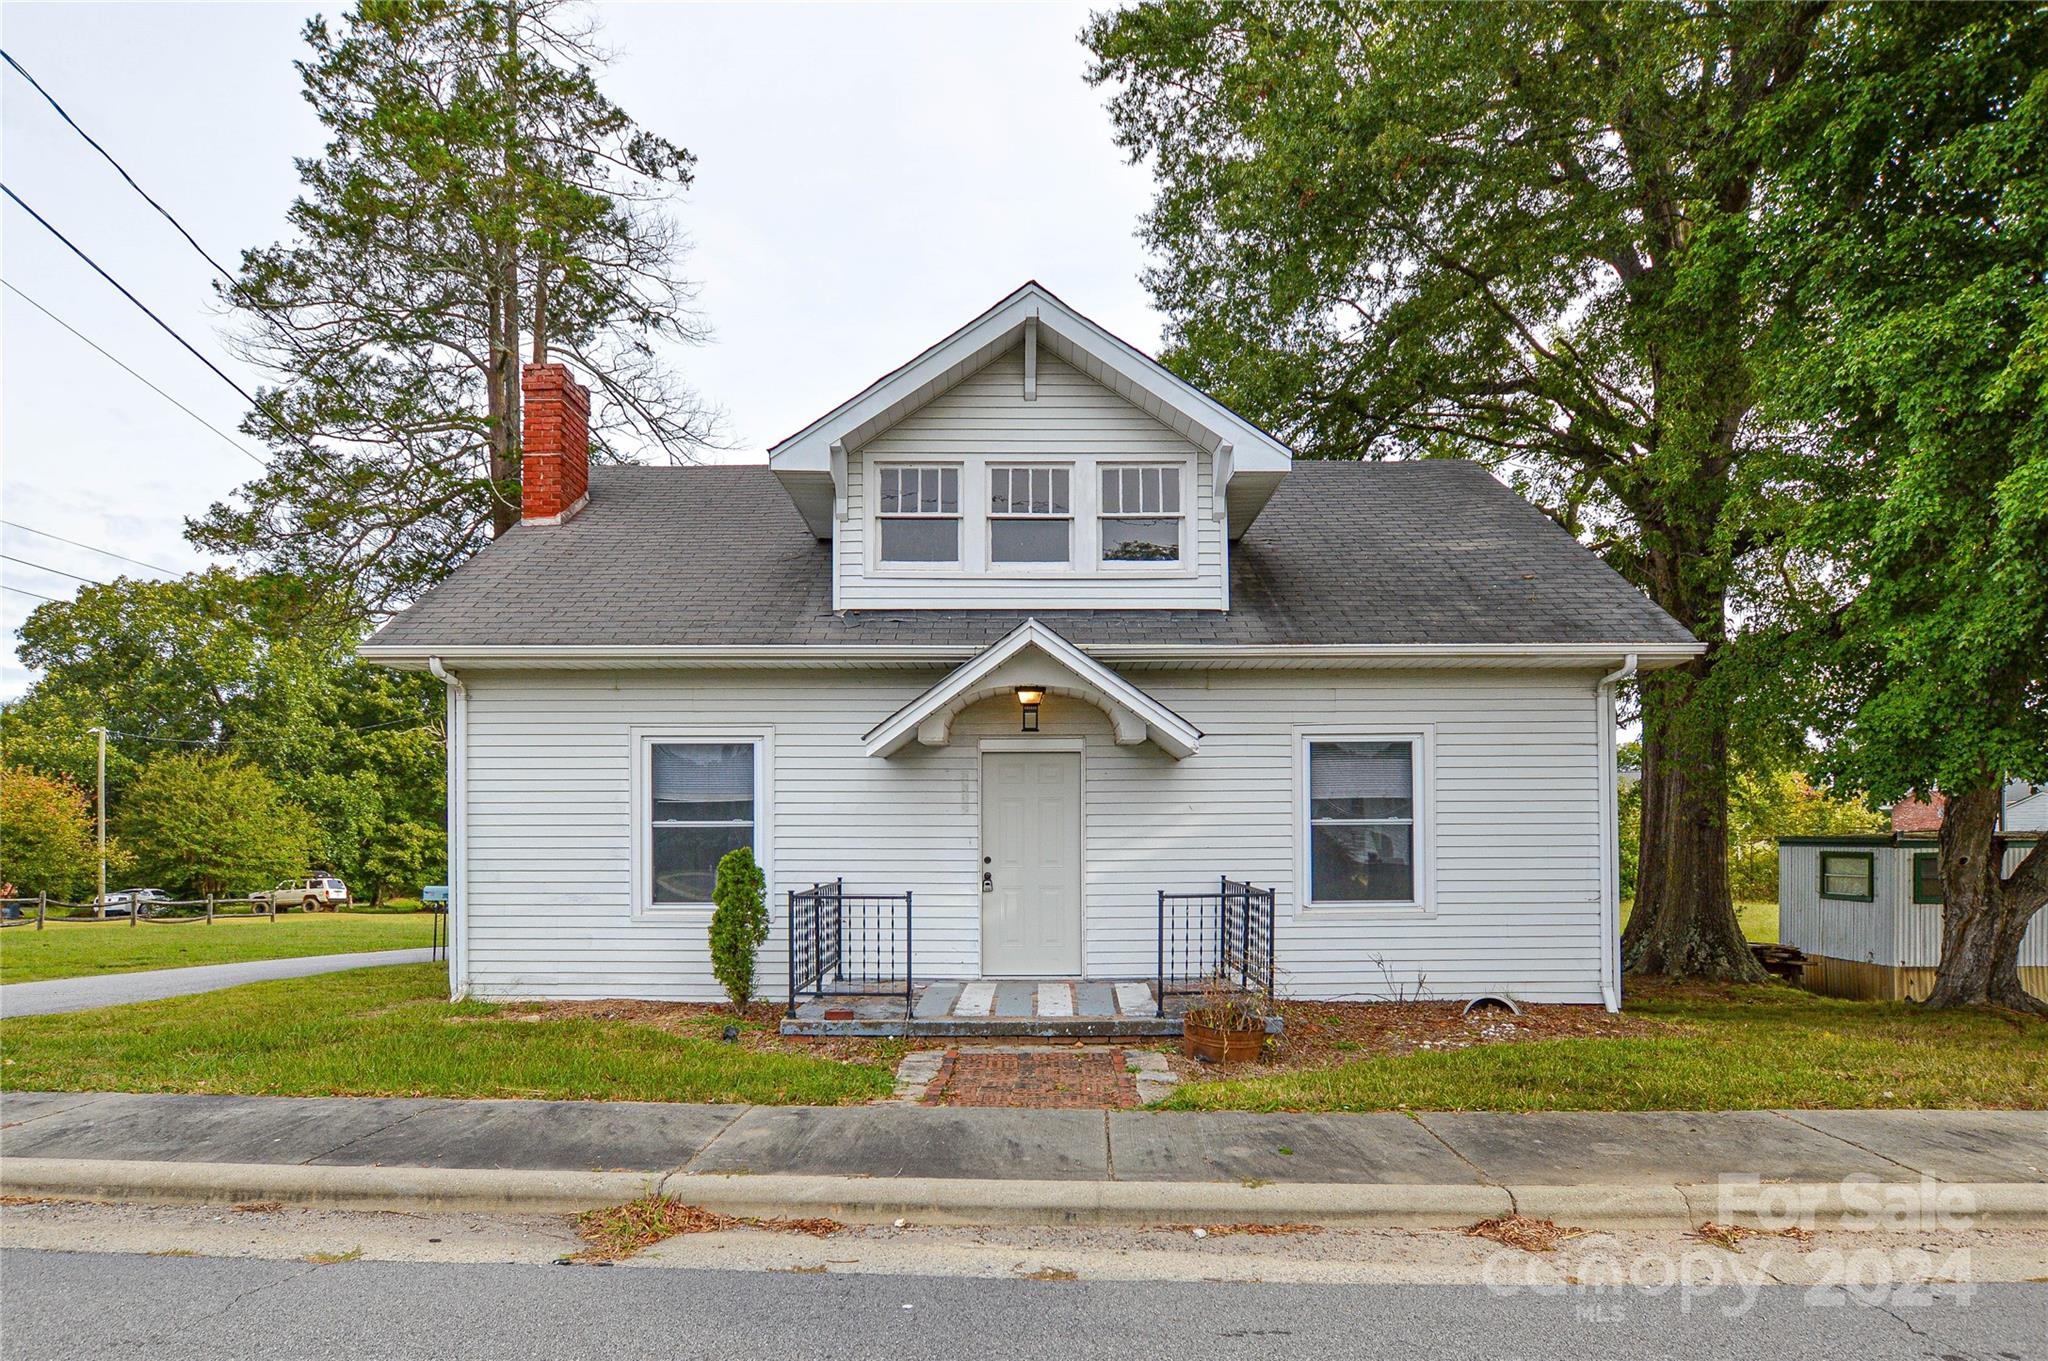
[919, 513]
[1141, 513]
[1030, 514]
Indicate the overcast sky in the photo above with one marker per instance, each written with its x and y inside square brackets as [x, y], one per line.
[869, 177]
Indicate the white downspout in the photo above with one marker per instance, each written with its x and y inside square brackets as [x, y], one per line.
[1610, 837]
[458, 829]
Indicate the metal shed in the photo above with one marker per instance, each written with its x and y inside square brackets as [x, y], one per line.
[1866, 912]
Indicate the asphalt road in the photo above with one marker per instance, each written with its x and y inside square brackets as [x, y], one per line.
[148, 985]
[164, 1308]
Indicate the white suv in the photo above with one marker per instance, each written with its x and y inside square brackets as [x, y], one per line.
[320, 891]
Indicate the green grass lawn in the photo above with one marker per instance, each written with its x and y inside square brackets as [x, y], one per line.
[1730, 1048]
[1759, 920]
[74, 949]
[391, 1032]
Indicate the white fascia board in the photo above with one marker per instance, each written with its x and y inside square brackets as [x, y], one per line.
[1174, 734]
[809, 448]
[1652, 655]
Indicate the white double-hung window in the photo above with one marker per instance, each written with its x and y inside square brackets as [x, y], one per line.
[1365, 842]
[1030, 515]
[918, 514]
[1140, 513]
[700, 805]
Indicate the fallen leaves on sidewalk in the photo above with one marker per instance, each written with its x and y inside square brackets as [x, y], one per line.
[1520, 1231]
[1226, 1230]
[258, 1207]
[618, 1231]
[1731, 1236]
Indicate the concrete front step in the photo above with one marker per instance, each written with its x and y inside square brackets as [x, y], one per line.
[1045, 1009]
[993, 1027]
[991, 1008]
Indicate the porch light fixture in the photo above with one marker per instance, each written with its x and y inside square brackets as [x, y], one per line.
[1030, 696]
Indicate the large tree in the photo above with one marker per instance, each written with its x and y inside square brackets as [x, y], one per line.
[201, 824]
[479, 201]
[229, 665]
[1521, 233]
[47, 826]
[1910, 234]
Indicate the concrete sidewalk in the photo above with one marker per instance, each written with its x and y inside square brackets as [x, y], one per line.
[150, 985]
[976, 1165]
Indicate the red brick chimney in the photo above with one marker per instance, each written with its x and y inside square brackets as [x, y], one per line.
[554, 476]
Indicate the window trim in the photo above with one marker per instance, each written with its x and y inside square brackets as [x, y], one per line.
[1422, 738]
[1913, 878]
[640, 813]
[1820, 863]
[1189, 487]
[989, 517]
[877, 516]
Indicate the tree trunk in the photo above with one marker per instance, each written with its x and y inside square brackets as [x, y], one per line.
[1984, 914]
[1683, 923]
[504, 468]
[504, 378]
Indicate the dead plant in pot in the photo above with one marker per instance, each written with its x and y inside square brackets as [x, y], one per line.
[1225, 1025]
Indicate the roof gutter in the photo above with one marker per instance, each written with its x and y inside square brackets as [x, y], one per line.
[1647, 656]
[443, 675]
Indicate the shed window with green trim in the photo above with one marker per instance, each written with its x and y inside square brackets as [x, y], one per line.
[1850, 875]
[1927, 877]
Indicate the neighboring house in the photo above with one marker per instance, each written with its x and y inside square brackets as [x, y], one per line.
[2024, 807]
[1028, 646]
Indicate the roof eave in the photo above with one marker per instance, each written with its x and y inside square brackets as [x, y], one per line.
[1650, 656]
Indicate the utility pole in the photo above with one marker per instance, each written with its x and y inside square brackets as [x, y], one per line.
[101, 901]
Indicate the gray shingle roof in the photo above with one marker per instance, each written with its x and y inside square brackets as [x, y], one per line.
[1376, 553]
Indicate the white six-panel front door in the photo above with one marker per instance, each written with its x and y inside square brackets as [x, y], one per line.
[1031, 848]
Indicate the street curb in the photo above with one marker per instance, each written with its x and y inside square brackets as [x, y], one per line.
[1620, 1206]
[1871, 1204]
[505, 1191]
[941, 1200]
[936, 1200]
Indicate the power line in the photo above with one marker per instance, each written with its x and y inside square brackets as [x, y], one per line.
[235, 284]
[218, 372]
[22, 590]
[416, 725]
[106, 552]
[109, 157]
[236, 444]
[307, 445]
[53, 571]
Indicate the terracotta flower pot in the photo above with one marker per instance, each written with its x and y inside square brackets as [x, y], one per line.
[1213, 1044]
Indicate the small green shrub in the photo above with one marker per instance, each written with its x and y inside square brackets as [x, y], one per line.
[739, 923]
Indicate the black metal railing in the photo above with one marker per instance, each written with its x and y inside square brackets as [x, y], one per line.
[1215, 939]
[849, 944]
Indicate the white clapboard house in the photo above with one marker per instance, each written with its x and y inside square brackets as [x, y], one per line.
[1045, 688]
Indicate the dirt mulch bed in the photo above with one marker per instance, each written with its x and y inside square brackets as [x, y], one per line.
[759, 1029]
[1325, 1034]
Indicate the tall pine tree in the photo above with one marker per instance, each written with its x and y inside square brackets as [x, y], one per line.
[479, 201]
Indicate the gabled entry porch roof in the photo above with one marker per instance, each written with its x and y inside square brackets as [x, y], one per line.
[1055, 665]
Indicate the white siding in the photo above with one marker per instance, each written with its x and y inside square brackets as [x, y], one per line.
[1073, 420]
[1516, 819]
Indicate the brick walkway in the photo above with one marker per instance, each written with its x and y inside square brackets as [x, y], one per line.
[1078, 1079]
